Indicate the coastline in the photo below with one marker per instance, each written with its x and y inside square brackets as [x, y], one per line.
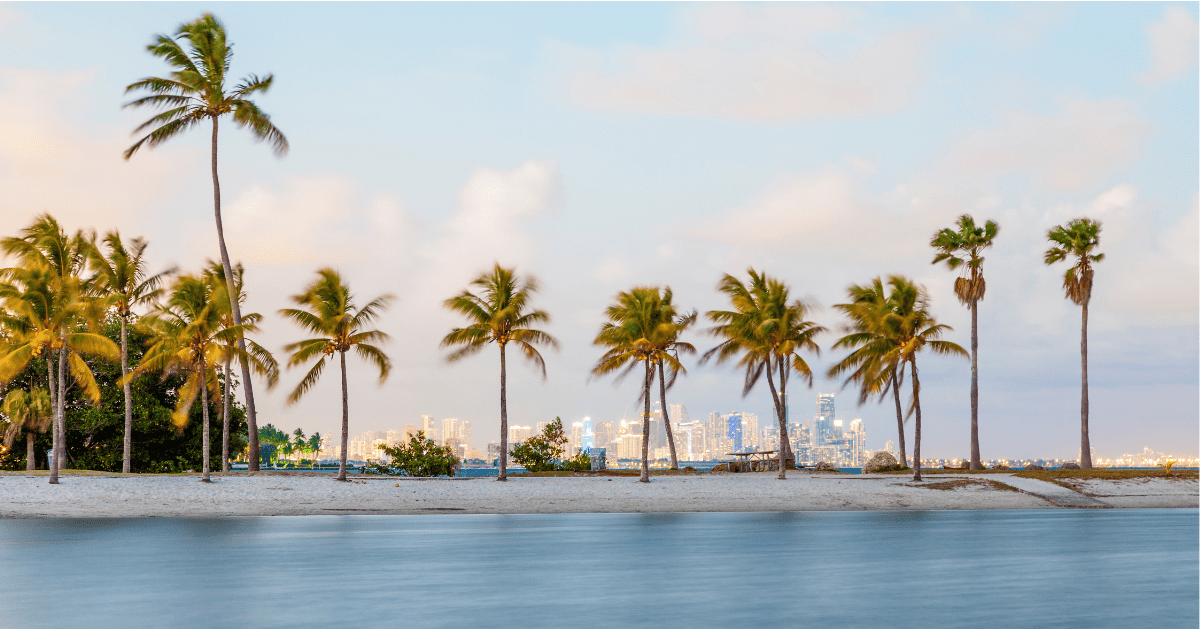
[109, 495]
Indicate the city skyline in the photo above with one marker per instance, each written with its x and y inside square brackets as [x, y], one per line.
[539, 144]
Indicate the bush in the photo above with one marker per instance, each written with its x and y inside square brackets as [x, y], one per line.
[421, 457]
[542, 452]
[579, 463]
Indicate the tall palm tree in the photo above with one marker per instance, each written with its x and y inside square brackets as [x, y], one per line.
[766, 330]
[27, 412]
[327, 311]
[956, 248]
[192, 339]
[871, 363]
[49, 306]
[195, 90]
[1078, 239]
[499, 313]
[121, 277]
[912, 328]
[263, 363]
[668, 344]
[639, 325]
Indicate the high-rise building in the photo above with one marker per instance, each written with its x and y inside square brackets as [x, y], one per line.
[393, 437]
[464, 433]
[858, 439]
[449, 431]
[733, 433]
[541, 426]
[750, 431]
[588, 439]
[408, 432]
[825, 406]
[429, 426]
[576, 442]
[714, 432]
[518, 434]
[604, 435]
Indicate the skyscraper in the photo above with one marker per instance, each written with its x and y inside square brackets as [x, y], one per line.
[733, 432]
[750, 435]
[825, 406]
[449, 431]
[588, 441]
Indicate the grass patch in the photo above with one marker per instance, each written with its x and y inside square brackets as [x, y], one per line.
[607, 473]
[955, 484]
[1106, 473]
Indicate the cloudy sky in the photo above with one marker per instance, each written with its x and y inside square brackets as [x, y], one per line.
[604, 146]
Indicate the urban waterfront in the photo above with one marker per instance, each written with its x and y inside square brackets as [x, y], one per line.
[1068, 568]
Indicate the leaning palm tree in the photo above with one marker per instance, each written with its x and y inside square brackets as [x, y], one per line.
[27, 412]
[1079, 238]
[766, 330]
[327, 311]
[956, 248]
[121, 278]
[192, 339]
[636, 331]
[195, 90]
[499, 313]
[668, 344]
[912, 328]
[871, 362]
[263, 362]
[50, 307]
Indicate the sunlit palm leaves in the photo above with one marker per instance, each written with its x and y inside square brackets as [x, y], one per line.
[27, 412]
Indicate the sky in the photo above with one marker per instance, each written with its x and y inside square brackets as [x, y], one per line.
[602, 146]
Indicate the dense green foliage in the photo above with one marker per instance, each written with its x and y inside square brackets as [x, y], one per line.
[542, 452]
[420, 457]
[95, 433]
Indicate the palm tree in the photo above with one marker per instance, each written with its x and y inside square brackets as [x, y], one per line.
[49, 305]
[766, 330]
[639, 324]
[192, 339]
[314, 446]
[327, 310]
[669, 345]
[1078, 239]
[499, 314]
[871, 363]
[912, 328]
[192, 92]
[264, 363]
[27, 412]
[121, 277]
[965, 246]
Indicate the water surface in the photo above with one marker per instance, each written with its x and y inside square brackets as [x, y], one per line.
[1038, 568]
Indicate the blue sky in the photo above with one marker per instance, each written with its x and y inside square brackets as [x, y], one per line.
[606, 145]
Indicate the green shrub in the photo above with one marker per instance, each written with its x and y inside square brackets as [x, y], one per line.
[581, 462]
[542, 452]
[420, 457]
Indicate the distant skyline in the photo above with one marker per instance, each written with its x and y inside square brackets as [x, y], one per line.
[601, 146]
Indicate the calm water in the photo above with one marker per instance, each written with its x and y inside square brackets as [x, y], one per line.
[1076, 568]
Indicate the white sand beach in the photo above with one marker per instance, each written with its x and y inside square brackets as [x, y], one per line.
[268, 494]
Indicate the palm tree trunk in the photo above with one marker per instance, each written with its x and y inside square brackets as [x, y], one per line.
[1085, 444]
[126, 460]
[235, 307]
[345, 420]
[916, 390]
[645, 478]
[778, 415]
[662, 393]
[225, 419]
[205, 447]
[976, 464]
[503, 460]
[60, 455]
[54, 436]
[785, 441]
[30, 454]
[899, 417]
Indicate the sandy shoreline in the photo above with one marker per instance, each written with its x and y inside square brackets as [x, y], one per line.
[267, 494]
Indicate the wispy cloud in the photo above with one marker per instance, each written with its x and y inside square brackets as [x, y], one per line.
[1173, 42]
[770, 63]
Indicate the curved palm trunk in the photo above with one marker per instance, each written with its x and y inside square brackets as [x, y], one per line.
[1085, 443]
[251, 416]
[225, 419]
[645, 478]
[899, 417]
[503, 463]
[55, 438]
[345, 420]
[976, 464]
[662, 393]
[127, 456]
[916, 389]
[779, 415]
[205, 447]
[30, 459]
[785, 441]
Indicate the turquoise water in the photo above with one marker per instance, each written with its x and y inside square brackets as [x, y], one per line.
[1037, 568]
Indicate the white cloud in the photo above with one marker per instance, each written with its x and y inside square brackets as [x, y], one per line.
[1075, 149]
[771, 62]
[1173, 43]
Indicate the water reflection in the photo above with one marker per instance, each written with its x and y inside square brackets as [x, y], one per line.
[1046, 568]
